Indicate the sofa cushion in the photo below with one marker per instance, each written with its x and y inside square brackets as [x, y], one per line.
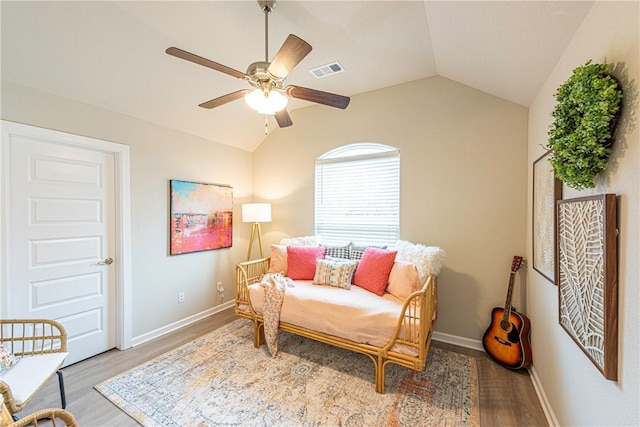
[373, 270]
[278, 263]
[301, 241]
[334, 272]
[338, 251]
[27, 376]
[301, 261]
[357, 251]
[403, 279]
[7, 359]
[357, 315]
[428, 259]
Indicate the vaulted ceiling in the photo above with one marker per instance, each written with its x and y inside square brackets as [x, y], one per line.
[112, 54]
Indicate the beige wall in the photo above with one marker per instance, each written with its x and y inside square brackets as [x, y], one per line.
[157, 155]
[575, 389]
[463, 182]
[465, 166]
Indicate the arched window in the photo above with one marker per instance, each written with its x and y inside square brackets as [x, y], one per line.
[358, 194]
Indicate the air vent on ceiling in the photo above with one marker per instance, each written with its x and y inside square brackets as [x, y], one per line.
[327, 70]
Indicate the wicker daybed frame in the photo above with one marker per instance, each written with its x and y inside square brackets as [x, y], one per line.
[27, 338]
[419, 314]
[48, 417]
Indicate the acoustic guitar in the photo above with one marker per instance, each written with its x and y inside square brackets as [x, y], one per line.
[507, 339]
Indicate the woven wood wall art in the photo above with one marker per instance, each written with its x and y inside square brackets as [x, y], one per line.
[547, 190]
[586, 273]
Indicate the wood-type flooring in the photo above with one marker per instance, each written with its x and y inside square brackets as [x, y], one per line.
[507, 398]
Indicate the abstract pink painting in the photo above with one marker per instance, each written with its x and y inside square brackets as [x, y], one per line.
[201, 216]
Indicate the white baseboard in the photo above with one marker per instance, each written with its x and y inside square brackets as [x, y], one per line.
[542, 397]
[456, 340]
[180, 323]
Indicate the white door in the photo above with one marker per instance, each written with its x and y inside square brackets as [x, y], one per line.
[61, 239]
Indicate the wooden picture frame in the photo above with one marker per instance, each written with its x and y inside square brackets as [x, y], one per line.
[547, 190]
[586, 271]
[201, 217]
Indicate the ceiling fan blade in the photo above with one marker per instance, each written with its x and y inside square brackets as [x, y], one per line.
[318, 96]
[292, 51]
[283, 118]
[183, 54]
[216, 102]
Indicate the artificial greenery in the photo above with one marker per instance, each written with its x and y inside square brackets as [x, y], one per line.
[580, 137]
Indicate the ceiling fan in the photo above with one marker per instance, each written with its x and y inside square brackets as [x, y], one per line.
[268, 78]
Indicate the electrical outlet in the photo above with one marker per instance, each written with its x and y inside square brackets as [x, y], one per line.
[181, 297]
[220, 287]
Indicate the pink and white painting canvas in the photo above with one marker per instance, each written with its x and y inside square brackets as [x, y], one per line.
[201, 216]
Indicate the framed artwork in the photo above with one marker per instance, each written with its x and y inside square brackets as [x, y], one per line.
[201, 216]
[547, 190]
[586, 271]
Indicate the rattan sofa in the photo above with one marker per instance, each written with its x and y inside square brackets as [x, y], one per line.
[413, 328]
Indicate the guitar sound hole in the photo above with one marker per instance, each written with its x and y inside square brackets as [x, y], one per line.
[505, 325]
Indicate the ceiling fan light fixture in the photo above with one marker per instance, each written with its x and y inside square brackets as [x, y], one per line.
[269, 77]
[269, 102]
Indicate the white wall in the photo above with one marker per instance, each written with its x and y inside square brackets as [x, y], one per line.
[158, 154]
[463, 182]
[577, 392]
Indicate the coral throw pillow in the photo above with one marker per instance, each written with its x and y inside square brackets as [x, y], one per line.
[373, 271]
[278, 263]
[301, 261]
[403, 279]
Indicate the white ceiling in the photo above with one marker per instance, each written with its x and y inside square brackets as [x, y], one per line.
[112, 54]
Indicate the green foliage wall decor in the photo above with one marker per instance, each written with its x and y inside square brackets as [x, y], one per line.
[585, 116]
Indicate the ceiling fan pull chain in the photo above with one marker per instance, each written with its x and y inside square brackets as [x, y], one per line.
[266, 125]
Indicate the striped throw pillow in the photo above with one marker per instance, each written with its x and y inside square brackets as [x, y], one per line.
[337, 273]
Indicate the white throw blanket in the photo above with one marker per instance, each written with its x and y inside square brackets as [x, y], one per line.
[274, 285]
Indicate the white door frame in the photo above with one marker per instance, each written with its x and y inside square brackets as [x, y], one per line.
[123, 216]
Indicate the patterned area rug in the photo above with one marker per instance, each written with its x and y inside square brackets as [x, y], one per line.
[222, 379]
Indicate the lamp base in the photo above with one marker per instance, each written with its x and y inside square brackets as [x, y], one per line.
[255, 230]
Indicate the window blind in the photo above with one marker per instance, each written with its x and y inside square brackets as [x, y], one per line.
[357, 197]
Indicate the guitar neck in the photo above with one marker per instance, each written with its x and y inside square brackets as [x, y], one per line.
[507, 302]
[515, 266]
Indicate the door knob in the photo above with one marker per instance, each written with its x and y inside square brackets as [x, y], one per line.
[106, 261]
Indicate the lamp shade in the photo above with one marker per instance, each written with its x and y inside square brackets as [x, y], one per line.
[266, 103]
[256, 212]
